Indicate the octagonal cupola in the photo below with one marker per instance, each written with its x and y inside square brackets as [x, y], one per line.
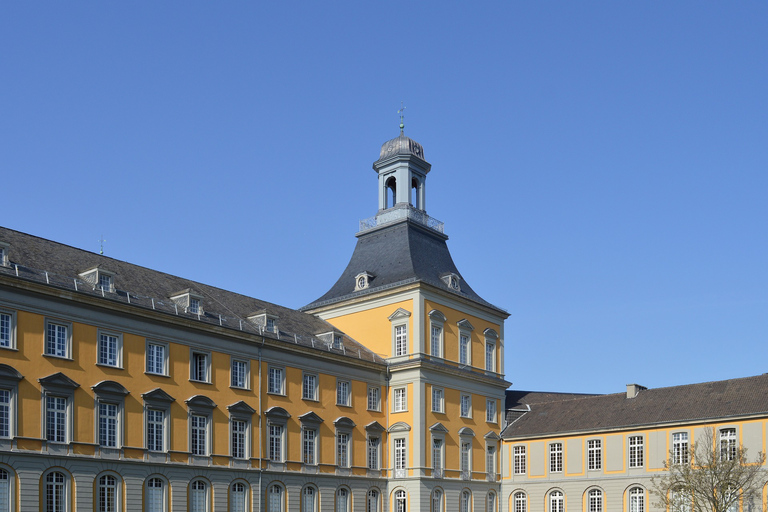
[402, 174]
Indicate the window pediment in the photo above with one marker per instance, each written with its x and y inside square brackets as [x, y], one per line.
[464, 324]
[344, 422]
[311, 419]
[451, 280]
[110, 389]
[399, 313]
[438, 427]
[400, 426]
[241, 408]
[9, 373]
[363, 280]
[277, 413]
[267, 322]
[491, 334]
[466, 431]
[374, 426]
[437, 316]
[59, 382]
[492, 435]
[200, 402]
[99, 278]
[191, 301]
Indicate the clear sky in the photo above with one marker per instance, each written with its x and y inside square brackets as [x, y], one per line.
[600, 166]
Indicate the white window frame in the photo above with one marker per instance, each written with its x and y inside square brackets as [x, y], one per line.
[594, 454]
[309, 498]
[491, 461]
[373, 452]
[149, 495]
[309, 386]
[61, 491]
[108, 496]
[636, 447]
[342, 499]
[195, 428]
[275, 498]
[309, 446]
[238, 496]
[465, 348]
[194, 376]
[465, 458]
[152, 434]
[490, 354]
[400, 399]
[344, 448]
[437, 334]
[727, 443]
[246, 373]
[7, 415]
[400, 456]
[239, 448]
[465, 501]
[56, 351]
[276, 435]
[276, 380]
[8, 329]
[636, 498]
[193, 491]
[595, 500]
[372, 500]
[438, 400]
[118, 339]
[520, 502]
[343, 393]
[147, 351]
[465, 405]
[520, 463]
[108, 426]
[556, 457]
[556, 501]
[401, 339]
[374, 398]
[4, 250]
[438, 455]
[65, 413]
[680, 448]
[491, 415]
[436, 501]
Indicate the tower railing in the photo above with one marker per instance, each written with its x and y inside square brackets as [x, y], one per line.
[399, 213]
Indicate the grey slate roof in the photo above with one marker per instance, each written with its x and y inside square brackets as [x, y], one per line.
[399, 253]
[150, 289]
[693, 402]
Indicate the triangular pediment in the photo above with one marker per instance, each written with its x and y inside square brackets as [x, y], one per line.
[110, 387]
[400, 426]
[9, 373]
[311, 418]
[60, 381]
[200, 401]
[466, 431]
[464, 324]
[374, 426]
[398, 314]
[438, 427]
[241, 408]
[492, 435]
[277, 413]
[158, 395]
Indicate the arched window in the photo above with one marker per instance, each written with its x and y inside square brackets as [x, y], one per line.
[681, 501]
[342, 500]
[309, 499]
[437, 501]
[55, 492]
[155, 496]
[107, 494]
[465, 502]
[198, 496]
[391, 192]
[636, 499]
[275, 499]
[5, 491]
[595, 500]
[238, 497]
[372, 503]
[491, 502]
[400, 502]
[521, 502]
[556, 502]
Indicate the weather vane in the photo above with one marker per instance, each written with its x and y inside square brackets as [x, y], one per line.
[101, 242]
[402, 123]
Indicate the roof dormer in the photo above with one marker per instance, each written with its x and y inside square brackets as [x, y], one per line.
[5, 248]
[189, 300]
[99, 278]
[333, 339]
[363, 280]
[451, 280]
[266, 321]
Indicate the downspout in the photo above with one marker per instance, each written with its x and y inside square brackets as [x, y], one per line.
[261, 418]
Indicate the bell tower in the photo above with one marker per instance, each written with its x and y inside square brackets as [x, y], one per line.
[402, 174]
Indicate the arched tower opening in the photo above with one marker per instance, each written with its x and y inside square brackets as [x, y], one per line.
[391, 192]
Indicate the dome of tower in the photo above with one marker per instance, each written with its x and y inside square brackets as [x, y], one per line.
[401, 145]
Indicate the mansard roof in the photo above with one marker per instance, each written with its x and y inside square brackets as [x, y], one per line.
[551, 414]
[60, 266]
[399, 253]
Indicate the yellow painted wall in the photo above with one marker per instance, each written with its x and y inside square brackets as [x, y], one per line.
[373, 328]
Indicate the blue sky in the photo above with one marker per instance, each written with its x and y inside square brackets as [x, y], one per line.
[600, 166]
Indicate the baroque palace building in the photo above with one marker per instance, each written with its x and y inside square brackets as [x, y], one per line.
[128, 389]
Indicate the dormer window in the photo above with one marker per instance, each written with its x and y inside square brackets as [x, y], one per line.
[267, 322]
[333, 339]
[100, 279]
[4, 250]
[337, 341]
[452, 281]
[194, 306]
[190, 301]
[363, 280]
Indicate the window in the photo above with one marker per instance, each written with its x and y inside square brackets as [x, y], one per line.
[519, 460]
[401, 340]
[490, 355]
[556, 457]
[198, 496]
[372, 503]
[107, 497]
[108, 425]
[56, 419]
[337, 341]
[466, 460]
[239, 434]
[374, 400]
[194, 306]
[276, 442]
[7, 329]
[636, 500]
[491, 502]
[4, 254]
[594, 454]
[56, 492]
[309, 446]
[728, 444]
[342, 393]
[276, 381]
[681, 501]
[238, 497]
[400, 458]
[400, 501]
[490, 462]
[155, 496]
[436, 341]
[400, 401]
[105, 282]
[521, 502]
[309, 387]
[275, 499]
[5, 414]
[155, 430]
[271, 325]
[198, 434]
[556, 502]
[309, 499]
[636, 451]
[5, 491]
[342, 500]
[57, 340]
[374, 444]
[437, 458]
[157, 358]
[199, 366]
[438, 400]
[342, 449]
[680, 448]
[239, 374]
[109, 349]
[465, 502]
[490, 411]
[466, 406]
[437, 501]
[595, 500]
[464, 349]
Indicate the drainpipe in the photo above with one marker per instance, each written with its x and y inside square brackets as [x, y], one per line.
[261, 419]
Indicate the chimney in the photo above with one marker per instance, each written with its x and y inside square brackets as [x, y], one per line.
[634, 389]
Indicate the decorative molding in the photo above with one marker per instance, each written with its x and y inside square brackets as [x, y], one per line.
[399, 314]
[241, 408]
[400, 426]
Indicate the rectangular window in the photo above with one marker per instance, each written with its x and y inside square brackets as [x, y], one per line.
[309, 387]
[198, 435]
[594, 454]
[466, 460]
[239, 374]
[5, 413]
[276, 443]
[519, 460]
[437, 454]
[156, 358]
[463, 349]
[276, 381]
[270, 326]
[56, 419]
[199, 366]
[466, 406]
[239, 437]
[636, 451]
[342, 449]
[490, 411]
[109, 349]
[108, 425]
[680, 448]
[556, 458]
[400, 455]
[105, 282]
[373, 453]
[155, 430]
[401, 340]
[6, 330]
[342, 392]
[438, 400]
[490, 356]
[400, 400]
[436, 346]
[728, 444]
[308, 446]
[374, 400]
[490, 461]
[194, 306]
[57, 339]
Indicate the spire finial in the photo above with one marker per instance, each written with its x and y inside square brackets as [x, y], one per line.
[402, 123]
[101, 241]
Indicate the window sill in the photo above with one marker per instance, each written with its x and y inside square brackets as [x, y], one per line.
[276, 393]
[110, 366]
[65, 358]
[310, 399]
[200, 381]
[153, 374]
[240, 388]
[14, 349]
